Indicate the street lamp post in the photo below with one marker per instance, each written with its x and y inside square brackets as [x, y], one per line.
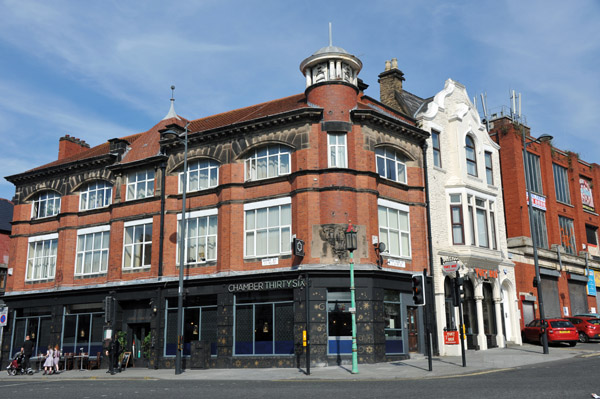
[544, 137]
[171, 134]
[351, 245]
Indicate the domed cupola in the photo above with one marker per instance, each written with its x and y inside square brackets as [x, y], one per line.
[332, 80]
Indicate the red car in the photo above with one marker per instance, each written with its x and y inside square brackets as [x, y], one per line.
[558, 330]
[588, 327]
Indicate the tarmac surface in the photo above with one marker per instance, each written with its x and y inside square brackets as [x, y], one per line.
[477, 362]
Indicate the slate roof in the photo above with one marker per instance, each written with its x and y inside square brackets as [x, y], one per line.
[6, 215]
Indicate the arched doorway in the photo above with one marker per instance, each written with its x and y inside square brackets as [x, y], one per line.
[505, 294]
[489, 315]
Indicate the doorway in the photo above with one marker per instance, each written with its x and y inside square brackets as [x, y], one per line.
[135, 338]
[412, 323]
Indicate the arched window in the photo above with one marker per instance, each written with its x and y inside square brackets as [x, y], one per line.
[268, 161]
[201, 175]
[471, 158]
[95, 195]
[45, 205]
[390, 164]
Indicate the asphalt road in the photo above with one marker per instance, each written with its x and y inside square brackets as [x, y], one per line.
[572, 378]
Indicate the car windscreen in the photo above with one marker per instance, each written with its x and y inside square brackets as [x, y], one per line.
[561, 324]
[594, 321]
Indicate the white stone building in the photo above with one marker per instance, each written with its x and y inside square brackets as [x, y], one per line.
[467, 224]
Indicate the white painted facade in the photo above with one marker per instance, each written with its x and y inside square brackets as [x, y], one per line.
[479, 207]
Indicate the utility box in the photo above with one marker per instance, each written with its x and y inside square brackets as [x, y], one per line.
[199, 354]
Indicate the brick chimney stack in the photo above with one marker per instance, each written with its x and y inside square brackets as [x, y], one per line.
[390, 83]
[69, 146]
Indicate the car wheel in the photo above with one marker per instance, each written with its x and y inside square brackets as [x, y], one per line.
[572, 343]
[583, 337]
[523, 337]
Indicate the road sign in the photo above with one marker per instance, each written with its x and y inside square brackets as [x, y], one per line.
[3, 316]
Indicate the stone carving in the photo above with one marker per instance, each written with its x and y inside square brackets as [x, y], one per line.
[333, 237]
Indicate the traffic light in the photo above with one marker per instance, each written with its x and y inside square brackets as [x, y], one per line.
[418, 289]
[109, 309]
[459, 292]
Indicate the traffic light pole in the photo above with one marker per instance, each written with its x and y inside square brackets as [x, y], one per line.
[461, 328]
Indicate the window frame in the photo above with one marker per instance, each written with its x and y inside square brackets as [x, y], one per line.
[284, 247]
[534, 177]
[489, 167]
[84, 195]
[135, 184]
[32, 257]
[41, 204]
[251, 163]
[565, 223]
[385, 238]
[541, 229]
[561, 183]
[205, 215]
[340, 150]
[437, 150]
[398, 161]
[471, 159]
[145, 245]
[196, 167]
[104, 251]
[482, 224]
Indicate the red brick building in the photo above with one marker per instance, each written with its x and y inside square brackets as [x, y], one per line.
[565, 218]
[103, 221]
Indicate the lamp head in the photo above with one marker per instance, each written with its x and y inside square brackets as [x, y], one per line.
[545, 138]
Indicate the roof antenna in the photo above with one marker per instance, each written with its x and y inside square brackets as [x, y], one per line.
[330, 36]
[172, 113]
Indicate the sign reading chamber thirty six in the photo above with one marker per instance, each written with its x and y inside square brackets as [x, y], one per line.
[267, 285]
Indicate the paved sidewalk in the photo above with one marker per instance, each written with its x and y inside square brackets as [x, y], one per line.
[417, 367]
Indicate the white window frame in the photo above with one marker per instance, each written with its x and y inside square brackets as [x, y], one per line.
[436, 151]
[82, 252]
[144, 245]
[95, 188]
[136, 181]
[471, 161]
[482, 224]
[41, 205]
[489, 167]
[42, 266]
[196, 169]
[208, 239]
[390, 156]
[384, 231]
[337, 151]
[266, 157]
[283, 231]
[472, 222]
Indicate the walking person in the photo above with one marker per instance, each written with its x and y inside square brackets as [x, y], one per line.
[109, 351]
[49, 363]
[56, 356]
[27, 350]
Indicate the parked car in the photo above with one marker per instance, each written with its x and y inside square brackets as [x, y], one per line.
[587, 327]
[594, 315]
[558, 330]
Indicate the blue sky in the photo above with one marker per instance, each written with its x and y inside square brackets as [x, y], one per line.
[103, 69]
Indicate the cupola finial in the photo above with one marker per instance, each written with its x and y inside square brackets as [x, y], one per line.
[172, 113]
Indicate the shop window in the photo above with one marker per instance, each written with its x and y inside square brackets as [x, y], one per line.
[140, 184]
[37, 327]
[392, 313]
[394, 227]
[567, 234]
[391, 165]
[339, 322]
[561, 184]
[201, 175]
[41, 257]
[437, 152]
[265, 328]
[82, 332]
[137, 245]
[336, 144]
[200, 236]
[199, 324]
[268, 226]
[95, 195]
[45, 205]
[471, 156]
[266, 162]
[92, 251]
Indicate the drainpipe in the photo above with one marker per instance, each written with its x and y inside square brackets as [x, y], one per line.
[430, 249]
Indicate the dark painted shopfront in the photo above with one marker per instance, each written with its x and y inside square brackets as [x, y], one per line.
[249, 321]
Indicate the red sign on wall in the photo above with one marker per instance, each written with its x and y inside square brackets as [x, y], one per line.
[451, 337]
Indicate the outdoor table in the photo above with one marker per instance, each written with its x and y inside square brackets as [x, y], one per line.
[82, 356]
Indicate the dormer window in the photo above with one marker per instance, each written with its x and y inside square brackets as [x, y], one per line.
[471, 157]
[201, 175]
[391, 165]
[45, 205]
[267, 162]
[95, 195]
